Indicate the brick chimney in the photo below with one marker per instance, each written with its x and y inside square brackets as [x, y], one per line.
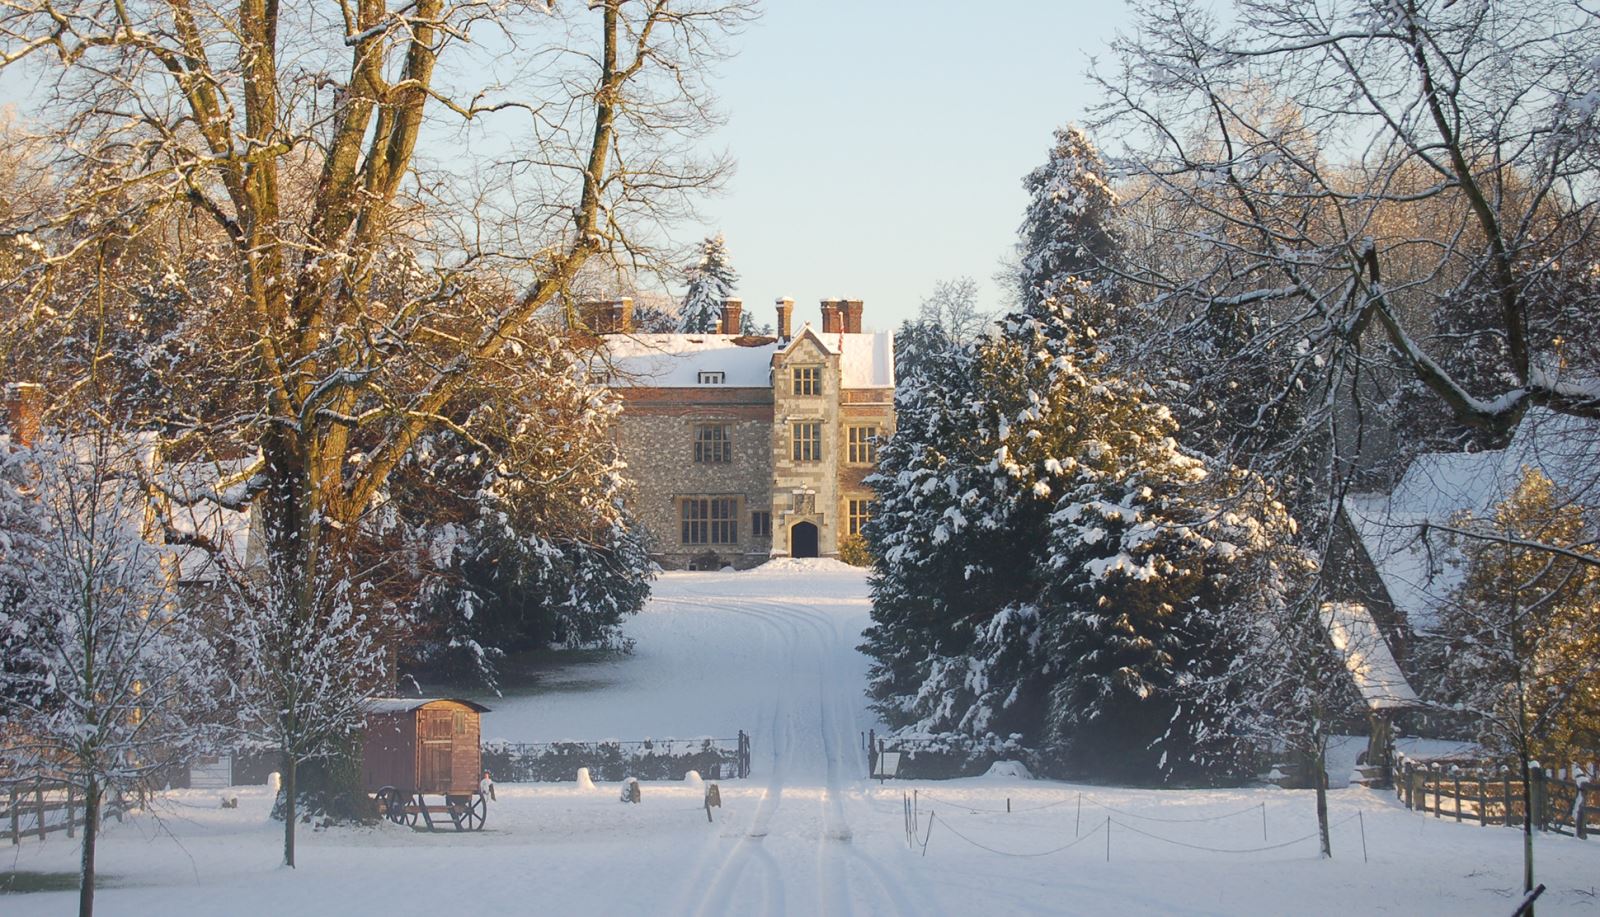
[785, 318]
[607, 316]
[852, 315]
[830, 316]
[732, 312]
[23, 403]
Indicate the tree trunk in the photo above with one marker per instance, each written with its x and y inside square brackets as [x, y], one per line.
[290, 791]
[1320, 764]
[91, 830]
[1527, 827]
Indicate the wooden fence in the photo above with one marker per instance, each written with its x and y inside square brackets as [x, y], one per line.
[1566, 801]
[43, 806]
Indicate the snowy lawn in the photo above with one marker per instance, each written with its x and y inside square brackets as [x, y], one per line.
[773, 652]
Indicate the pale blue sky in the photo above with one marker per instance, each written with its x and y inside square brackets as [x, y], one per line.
[881, 145]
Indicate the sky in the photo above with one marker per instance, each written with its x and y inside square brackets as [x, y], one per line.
[881, 145]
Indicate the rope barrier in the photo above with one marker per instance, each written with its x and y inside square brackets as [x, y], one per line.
[1010, 853]
[1297, 840]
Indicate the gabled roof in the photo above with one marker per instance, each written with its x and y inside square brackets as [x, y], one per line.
[1419, 571]
[865, 360]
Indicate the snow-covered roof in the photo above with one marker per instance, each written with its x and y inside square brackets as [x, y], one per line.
[1366, 655]
[677, 360]
[1418, 570]
[408, 704]
[680, 360]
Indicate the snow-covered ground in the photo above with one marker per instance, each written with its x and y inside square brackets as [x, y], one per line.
[772, 651]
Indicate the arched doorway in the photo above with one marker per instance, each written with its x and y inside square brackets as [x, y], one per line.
[803, 540]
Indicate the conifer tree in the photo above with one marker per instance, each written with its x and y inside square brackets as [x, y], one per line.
[711, 279]
[1066, 230]
[1053, 566]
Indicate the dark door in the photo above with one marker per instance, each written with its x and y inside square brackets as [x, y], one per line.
[803, 540]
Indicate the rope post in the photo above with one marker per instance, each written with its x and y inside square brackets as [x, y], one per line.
[1362, 821]
[1008, 805]
[1079, 822]
[1263, 821]
[16, 819]
[1108, 838]
[71, 829]
[931, 819]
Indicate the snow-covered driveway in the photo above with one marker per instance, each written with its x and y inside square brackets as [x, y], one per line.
[772, 651]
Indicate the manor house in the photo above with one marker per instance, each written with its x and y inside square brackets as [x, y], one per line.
[748, 447]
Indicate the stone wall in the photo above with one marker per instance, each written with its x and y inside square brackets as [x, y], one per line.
[656, 432]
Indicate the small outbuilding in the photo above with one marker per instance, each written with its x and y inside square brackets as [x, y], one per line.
[424, 746]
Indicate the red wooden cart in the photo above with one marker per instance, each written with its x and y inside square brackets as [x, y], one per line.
[419, 747]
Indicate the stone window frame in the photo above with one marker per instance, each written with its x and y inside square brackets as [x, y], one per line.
[805, 380]
[708, 520]
[804, 447]
[761, 523]
[710, 450]
[712, 377]
[857, 512]
[859, 449]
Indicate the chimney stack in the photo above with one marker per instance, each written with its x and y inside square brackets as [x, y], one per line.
[23, 404]
[732, 311]
[785, 318]
[852, 315]
[830, 316]
[607, 316]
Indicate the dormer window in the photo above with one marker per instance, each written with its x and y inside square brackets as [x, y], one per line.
[708, 377]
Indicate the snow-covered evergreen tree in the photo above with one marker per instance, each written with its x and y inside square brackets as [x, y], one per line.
[710, 280]
[1067, 231]
[1053, 565]
[520, 510]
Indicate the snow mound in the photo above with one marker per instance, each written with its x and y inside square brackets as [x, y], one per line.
[694, 780]
[807, 565]
[585, 782]
[1013, 769]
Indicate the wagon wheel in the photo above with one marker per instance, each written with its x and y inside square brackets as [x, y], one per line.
[390, 805]
[474, 812]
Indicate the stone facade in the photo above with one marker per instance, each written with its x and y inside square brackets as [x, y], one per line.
[745, 448]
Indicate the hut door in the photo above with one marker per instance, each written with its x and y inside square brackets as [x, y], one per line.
[436, 745]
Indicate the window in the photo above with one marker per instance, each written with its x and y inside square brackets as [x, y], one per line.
[712, 378]
[458, 723]
[807, 436]
[803, 502]
[761, 524]
[859, 512]
[713, 443]
[710, 520]
[807, 380]
[863, 446]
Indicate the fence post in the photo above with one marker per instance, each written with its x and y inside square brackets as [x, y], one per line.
[38, 800]
[1458, 795]
[1483, 802]
[71, 830]
[1505, 797]
[1536, 796]
[1581, 829]
[1438, 790]
[16, 831]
